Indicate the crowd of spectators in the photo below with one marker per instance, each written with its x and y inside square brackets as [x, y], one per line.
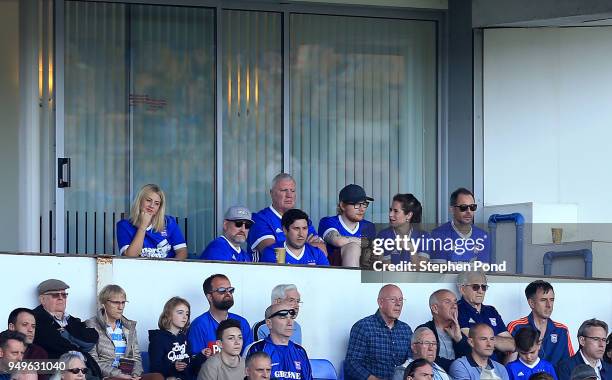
[466, 339]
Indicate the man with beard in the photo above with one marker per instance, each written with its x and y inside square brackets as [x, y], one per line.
[297, 249]
[226, 247]
[203, 331]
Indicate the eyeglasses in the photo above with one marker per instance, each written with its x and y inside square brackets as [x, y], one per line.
[394, 299]
[463, 208]
[428, 344]
[57, 295]
[359, 205]
[76, 371]
[476, 287]
[246, 223]
[294, 300]
[597, 339]
[223, 290]
[117, 303]
[283, 313]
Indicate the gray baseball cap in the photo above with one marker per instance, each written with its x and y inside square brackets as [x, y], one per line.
[238, 213]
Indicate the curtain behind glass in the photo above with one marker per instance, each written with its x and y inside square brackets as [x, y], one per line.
[363, 110]
[95, 129]
[172, 100]
[252, 106]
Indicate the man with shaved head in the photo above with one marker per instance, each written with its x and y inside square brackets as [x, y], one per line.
[478, 364]
[380, 342]
[452, 343]
[289, 359]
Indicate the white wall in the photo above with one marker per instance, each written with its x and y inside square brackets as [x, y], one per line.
[548, 119]
[334, 298]
[9, 122]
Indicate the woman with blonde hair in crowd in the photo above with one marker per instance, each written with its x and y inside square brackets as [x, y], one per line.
[117, 351]
[149, 232]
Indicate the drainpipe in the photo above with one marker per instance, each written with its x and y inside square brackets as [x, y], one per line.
[519, 222]
[586, 255]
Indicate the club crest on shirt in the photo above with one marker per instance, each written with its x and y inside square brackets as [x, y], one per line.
[493, 321]
[471, 321]
[298, 365]
[164, 233]
[553, 338]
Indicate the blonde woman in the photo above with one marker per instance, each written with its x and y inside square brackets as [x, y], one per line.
[149, 232]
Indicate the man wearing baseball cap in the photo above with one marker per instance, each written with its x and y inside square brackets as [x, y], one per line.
[227, 247]
[343, 232]
[58, 332]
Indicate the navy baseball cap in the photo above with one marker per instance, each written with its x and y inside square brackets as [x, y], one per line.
[353, 194]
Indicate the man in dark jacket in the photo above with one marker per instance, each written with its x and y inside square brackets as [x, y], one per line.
[592, 342]
[452, 344]
[58, 332]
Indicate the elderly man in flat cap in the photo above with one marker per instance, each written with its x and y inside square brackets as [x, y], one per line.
[58, 332]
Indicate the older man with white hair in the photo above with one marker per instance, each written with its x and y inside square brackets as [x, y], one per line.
[424, 345]
[287, 295]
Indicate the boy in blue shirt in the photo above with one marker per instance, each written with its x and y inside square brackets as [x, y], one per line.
[527, 342]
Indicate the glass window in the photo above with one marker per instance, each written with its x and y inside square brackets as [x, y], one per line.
[363, 110]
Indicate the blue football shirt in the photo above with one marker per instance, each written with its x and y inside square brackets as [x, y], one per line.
[161, 244]
[203, 332]
[267, 225]
[449, 245]
[222, 250]
[309, 255]
[288, 362]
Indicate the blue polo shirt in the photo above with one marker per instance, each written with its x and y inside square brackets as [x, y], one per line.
[451, 246]
[162, 244]
[222, 250]
[310, 255]
[418, 238]
[267, 225]
[518, 370]
[556, 342]
[468, 316]
[203, 332]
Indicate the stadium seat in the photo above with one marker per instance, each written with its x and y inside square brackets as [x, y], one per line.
[144, 355]
[323, 369]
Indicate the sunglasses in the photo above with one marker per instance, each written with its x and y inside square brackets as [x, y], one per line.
[222, 290]
[283, 313]
[463, 208]
[76, 371]
[475, 287]
[57, 295]
[246, 223]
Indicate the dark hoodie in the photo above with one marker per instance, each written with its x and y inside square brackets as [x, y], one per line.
[165, 349]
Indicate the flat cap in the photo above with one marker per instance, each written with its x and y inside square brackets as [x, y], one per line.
[51, 284]
[582, 372]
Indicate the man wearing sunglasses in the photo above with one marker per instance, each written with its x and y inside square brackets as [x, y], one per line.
[289, 296]
[202, 335]
[592, 338]
[343, 232]
[59, 332]
[289, 359]
[267, 229]
[472, 311]
[459, 240]
[556, 342]
[227, 247]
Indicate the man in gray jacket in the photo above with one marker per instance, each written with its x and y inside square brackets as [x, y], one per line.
[478, 364]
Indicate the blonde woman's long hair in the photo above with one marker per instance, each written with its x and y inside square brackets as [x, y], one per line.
[159, 220]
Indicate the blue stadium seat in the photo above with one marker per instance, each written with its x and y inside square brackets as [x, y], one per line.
[144, 355]
[323, 369]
